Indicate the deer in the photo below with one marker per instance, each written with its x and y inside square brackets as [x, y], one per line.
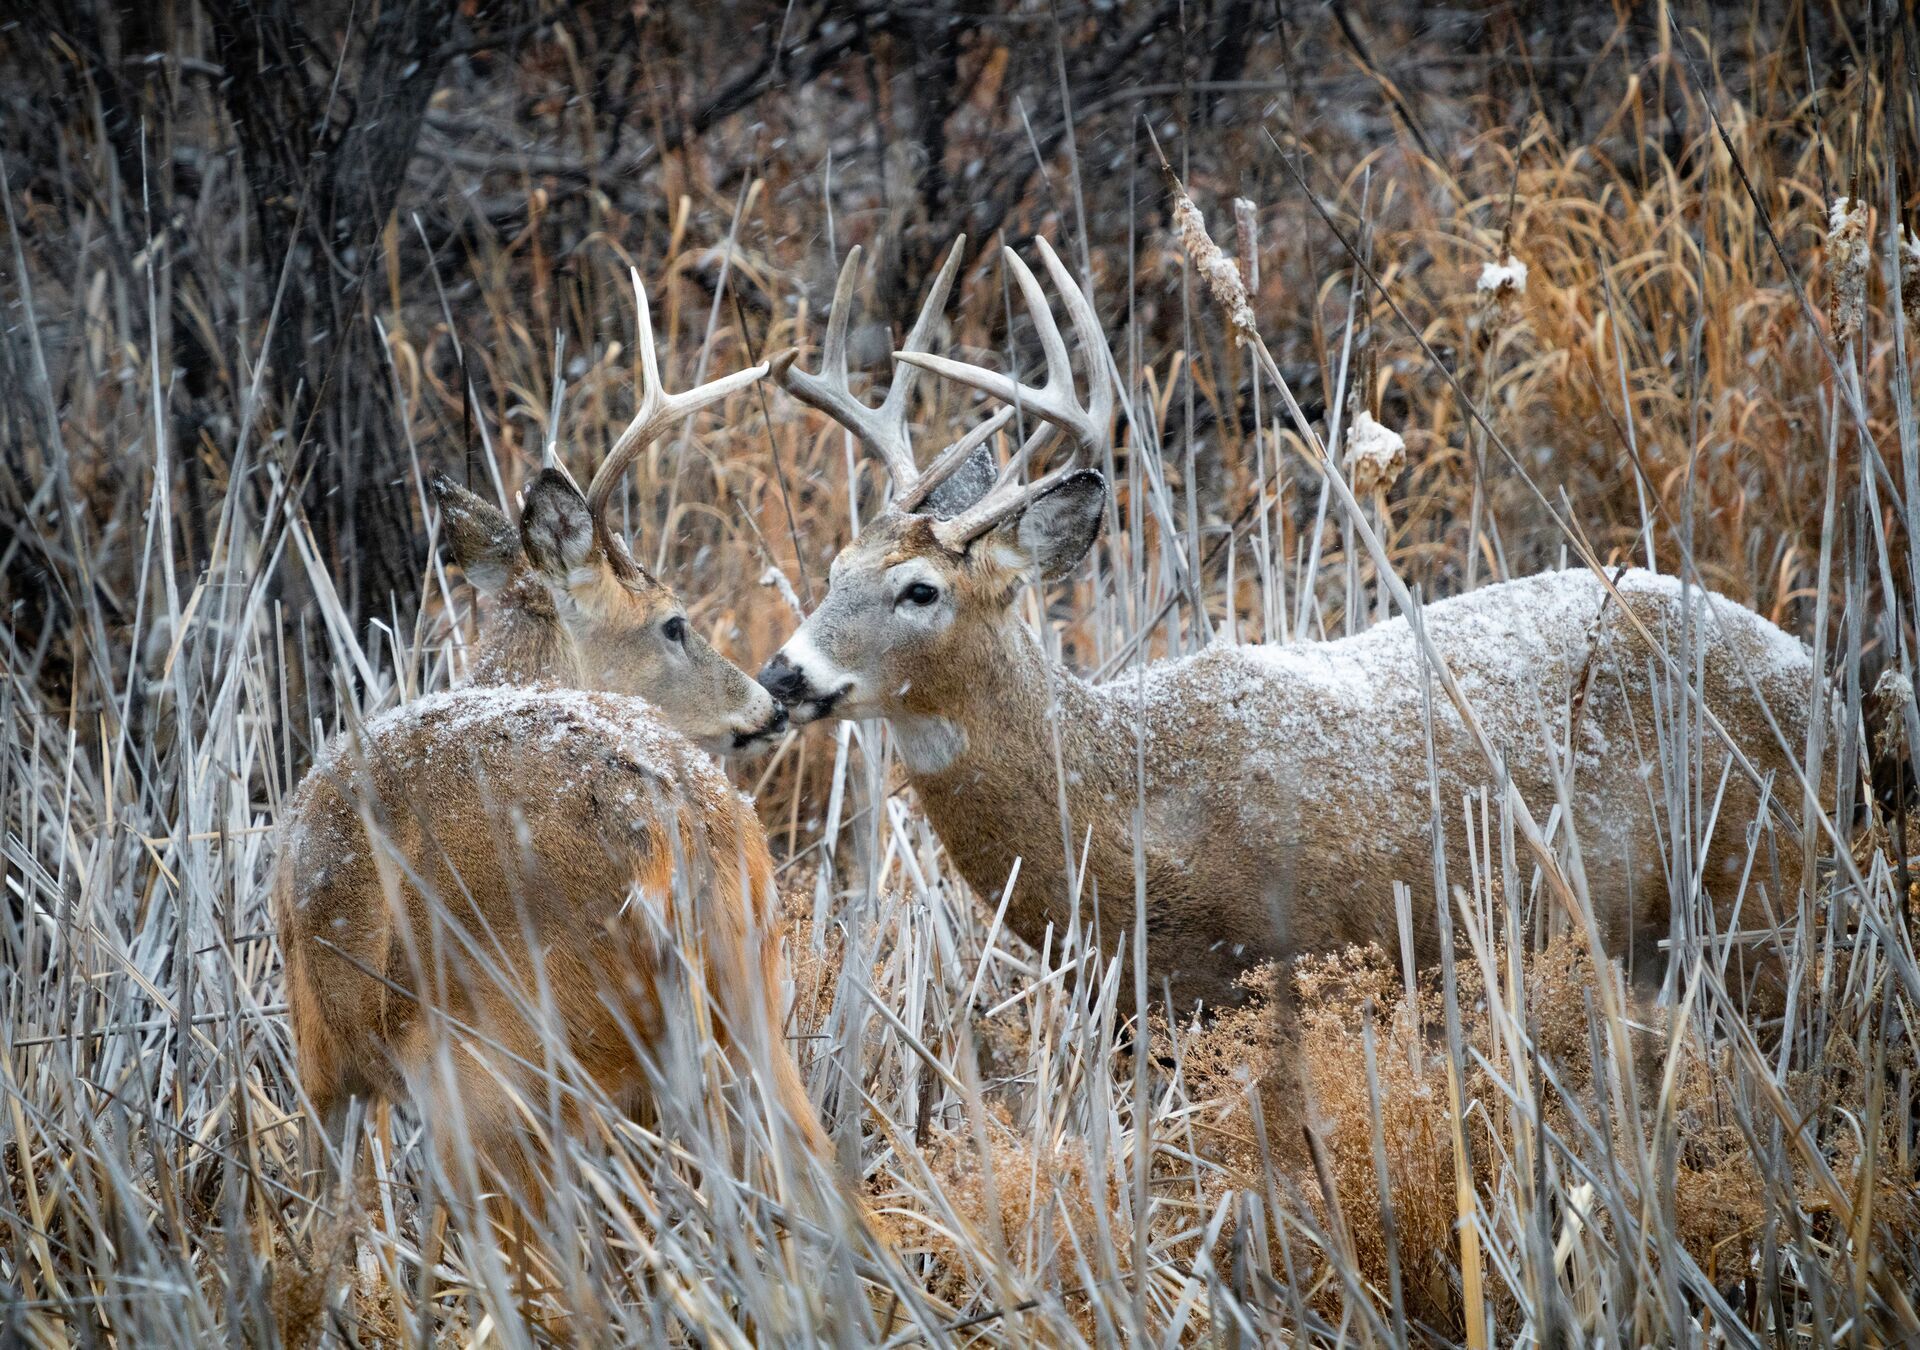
[1280, 791]
[548, 854]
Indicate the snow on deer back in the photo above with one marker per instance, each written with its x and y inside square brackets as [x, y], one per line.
[1326, 795]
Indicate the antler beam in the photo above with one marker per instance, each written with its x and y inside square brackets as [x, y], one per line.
[1056, 401]
[658, 409]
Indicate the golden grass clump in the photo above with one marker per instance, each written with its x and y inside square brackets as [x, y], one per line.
[1338, 994]
[1034, 1200]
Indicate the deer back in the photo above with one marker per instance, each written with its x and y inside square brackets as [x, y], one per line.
[474, 846]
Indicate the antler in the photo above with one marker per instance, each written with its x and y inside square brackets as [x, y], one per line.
[1055, 401]
[882, 430]
[658, 409]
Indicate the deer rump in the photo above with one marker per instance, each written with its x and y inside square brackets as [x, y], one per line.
[537, 852]
[1286, 786]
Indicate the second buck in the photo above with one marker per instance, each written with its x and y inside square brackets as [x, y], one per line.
[502, 896]
[1279, 792]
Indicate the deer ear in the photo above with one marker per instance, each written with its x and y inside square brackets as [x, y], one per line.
[556, 528]
[1054, 533]
[968, 485]
[483, 540]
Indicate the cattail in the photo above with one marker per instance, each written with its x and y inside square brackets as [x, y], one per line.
[1246, 225]
[1847, 255]
[1375, 455]
[1502, 283]
[1886, 714]
[1219, 271]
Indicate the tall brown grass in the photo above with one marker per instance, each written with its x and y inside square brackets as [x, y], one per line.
[1488, 1158]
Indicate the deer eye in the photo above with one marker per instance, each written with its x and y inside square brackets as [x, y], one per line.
[675, 630]
[920, 593]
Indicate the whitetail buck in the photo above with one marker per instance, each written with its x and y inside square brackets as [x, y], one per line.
[508, 867]
[1282, 790]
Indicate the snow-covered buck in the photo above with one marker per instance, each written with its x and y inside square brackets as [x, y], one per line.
[1281, 791]
[521, 876]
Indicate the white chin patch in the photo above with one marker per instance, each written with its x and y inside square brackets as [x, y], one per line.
[799, 714]
[928, 744]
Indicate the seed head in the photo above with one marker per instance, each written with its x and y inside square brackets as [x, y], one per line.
[1502, 283]
[1910, 278]
[1219, 272]
[1847, 256]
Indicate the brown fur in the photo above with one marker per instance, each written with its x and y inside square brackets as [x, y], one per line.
[424, 867]
[494, 869]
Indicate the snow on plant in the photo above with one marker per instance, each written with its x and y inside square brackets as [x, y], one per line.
[1503, 282]
[1375, 456]
[1910, 274]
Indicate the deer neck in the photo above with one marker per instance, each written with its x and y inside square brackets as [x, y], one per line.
[524, 642]
[983, 749]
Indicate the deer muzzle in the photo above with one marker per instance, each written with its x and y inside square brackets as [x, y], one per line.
[803, 697]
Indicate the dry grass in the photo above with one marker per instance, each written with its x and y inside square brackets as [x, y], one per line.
[1709, 1175]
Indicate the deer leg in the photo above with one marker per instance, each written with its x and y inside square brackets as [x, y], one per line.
[492, 1178]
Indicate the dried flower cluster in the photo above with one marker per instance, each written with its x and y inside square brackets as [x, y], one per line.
[1375, 455]
[1886, 708]
[1847, 256]
[1221, 273]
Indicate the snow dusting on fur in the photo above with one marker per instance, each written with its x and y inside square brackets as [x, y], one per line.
[1346, 716]
[507, 740]
[448, 722]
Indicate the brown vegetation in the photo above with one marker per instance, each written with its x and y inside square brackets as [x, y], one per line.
[198, 544]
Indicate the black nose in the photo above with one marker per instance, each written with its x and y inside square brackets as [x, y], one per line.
[784, 680]
[775, 724]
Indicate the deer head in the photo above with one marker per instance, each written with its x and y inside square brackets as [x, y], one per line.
[925, 580]
[573, 607]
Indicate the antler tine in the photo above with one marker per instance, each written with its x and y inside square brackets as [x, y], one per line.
[832, 393]
[920, 336]
[1056, 400]
[833, 353]
[550, 443]
[882, 430]
[658, 409]
[1093, 345]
